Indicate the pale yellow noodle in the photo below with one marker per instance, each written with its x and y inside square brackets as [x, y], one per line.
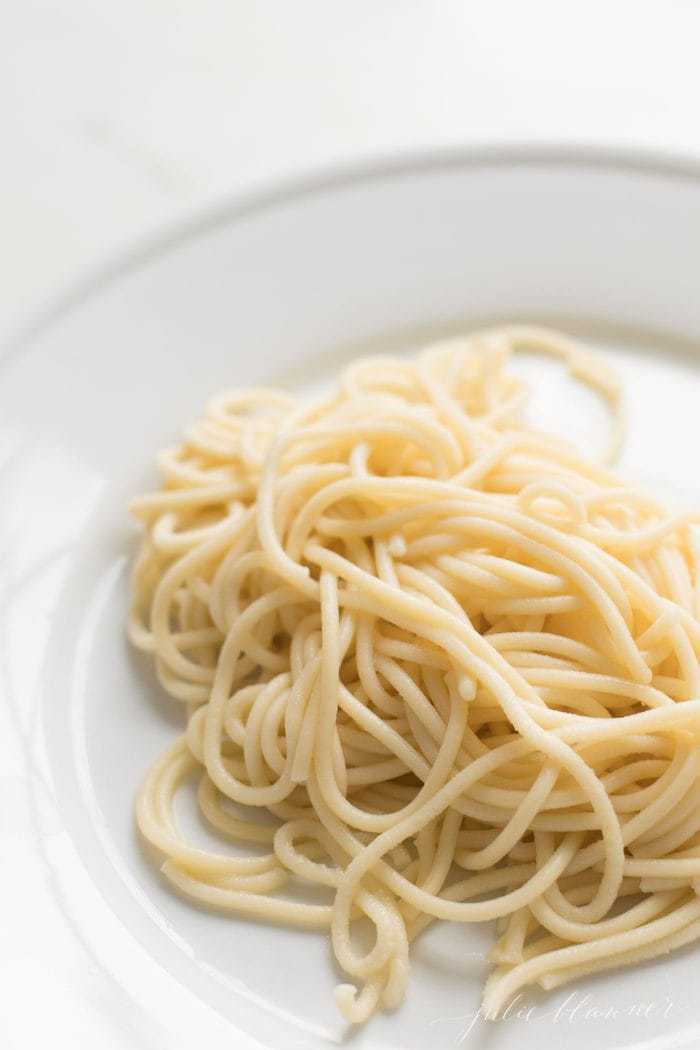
[422, 638]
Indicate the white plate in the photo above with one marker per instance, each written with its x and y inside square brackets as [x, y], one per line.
[94, 950]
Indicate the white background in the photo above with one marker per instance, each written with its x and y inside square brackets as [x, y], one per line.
[119, 118]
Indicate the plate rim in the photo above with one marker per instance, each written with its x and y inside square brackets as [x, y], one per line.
[271, 192]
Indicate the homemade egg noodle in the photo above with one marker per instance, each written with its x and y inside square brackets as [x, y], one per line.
[453, 662]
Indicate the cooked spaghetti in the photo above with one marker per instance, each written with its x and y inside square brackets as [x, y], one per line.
[453, 662]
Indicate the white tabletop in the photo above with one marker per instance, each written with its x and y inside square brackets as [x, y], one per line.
[121, 118]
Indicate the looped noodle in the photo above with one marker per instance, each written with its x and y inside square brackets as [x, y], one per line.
[557, 493]
[452, 664]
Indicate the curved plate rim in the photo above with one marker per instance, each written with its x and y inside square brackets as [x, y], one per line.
[271, 193]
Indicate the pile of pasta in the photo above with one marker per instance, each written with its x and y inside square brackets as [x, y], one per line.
[434, 662]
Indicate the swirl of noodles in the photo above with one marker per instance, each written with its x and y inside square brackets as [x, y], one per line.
[451, 664]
